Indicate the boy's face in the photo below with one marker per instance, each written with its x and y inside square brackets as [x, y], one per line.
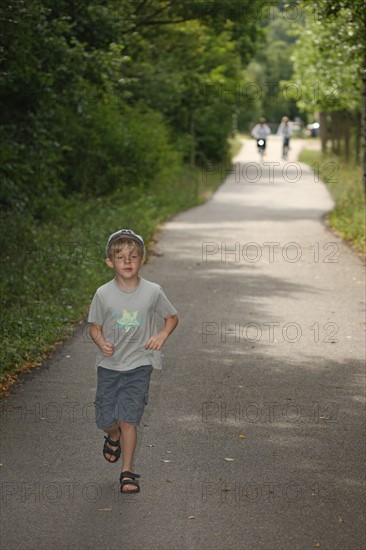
[126, 262]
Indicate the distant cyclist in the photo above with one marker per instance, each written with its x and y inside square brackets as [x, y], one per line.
[260, 133]
[285, 131]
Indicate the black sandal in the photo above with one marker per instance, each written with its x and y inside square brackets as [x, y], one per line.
[108, 451]
[131, 479]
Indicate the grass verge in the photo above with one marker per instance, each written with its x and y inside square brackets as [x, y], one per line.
[236, 143]
[344, 181]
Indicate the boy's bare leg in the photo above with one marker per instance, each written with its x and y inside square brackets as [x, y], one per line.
[114, 434]
[128, 441]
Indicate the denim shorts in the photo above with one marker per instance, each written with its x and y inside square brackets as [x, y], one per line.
[121, 395]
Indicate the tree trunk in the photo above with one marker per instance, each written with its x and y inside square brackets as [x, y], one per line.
[332, 133]
[192, 131]
[364, 120]
[358, 136]
[346, 133]
[337, 131]
[323, 131]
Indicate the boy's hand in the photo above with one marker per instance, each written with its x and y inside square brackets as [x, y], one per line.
[107, 349]
[156, 342]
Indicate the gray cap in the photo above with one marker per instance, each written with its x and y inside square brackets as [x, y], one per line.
[128, 234]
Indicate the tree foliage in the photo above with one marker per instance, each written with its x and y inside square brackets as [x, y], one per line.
[330, 72]
[327, 63]
[103, 94]
[270, 65]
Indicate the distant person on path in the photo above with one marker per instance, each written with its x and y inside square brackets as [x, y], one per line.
[123, 326]
[261, 130]
[285, 131]
[260, 133]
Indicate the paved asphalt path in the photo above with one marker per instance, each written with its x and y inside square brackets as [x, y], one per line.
[265, 369]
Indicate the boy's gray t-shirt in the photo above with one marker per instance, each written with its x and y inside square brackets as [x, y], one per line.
[128, 319]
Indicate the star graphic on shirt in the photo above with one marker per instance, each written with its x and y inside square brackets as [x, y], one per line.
[129, 320]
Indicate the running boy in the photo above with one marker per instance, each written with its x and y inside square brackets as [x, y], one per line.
[122, 324]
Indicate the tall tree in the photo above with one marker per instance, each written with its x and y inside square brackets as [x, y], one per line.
[331, 53]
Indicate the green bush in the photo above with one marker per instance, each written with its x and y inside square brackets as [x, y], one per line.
[118, 148]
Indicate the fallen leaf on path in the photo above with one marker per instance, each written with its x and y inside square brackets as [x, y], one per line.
[190, 517]
[317, 545]
[168, 481]
[229, 459]
[242, 436]
[165, 460]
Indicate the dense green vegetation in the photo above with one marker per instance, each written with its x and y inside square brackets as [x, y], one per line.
[105, 94]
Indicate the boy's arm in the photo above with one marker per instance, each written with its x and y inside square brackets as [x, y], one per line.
[97, 335]
[156, 342]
